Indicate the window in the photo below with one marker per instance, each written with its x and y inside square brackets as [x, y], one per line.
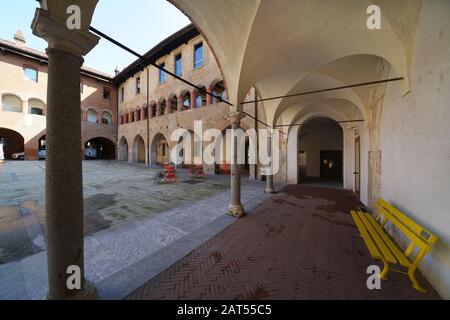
[198, 55]
[31, 74]
[106, 118]
[178, 65]
[122, 94]
[162, 74]
[37, 111]
[92, 116]
[106, 93]
[138, 85]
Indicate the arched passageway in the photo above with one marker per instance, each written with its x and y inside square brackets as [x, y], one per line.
[138, 153]
[100, 149]
[123, 149]
[11, 142]
[160, 153]
[320, 153]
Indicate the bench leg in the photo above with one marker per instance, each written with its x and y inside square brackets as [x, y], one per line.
[412, 271]
[385, 271]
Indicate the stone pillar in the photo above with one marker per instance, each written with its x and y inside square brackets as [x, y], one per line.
[209, 99]
[158, 109]
[143, 113]
[180, 106]
[25, 107]
[168, 106]
[235, 208]
[193, 98]
[269, 176]
[63, 174]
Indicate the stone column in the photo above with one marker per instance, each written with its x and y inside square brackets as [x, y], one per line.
[235, 208]
[193, 99]
[143, 113]
[209, 99]
[63, 174]
[168, 106]
[158, 109]
[269, 176]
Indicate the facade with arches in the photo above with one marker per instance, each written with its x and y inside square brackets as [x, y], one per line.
[23, 102]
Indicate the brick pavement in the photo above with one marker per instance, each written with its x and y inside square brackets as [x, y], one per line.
[300, 244]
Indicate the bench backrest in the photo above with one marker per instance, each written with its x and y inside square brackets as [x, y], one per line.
[418, 235]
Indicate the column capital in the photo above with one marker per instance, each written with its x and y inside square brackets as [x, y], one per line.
[58, 36]
[235, 117]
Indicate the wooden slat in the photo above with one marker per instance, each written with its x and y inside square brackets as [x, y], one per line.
[400, 256]
[374, 252]
[422, 233]
[377, 239]
[406, 231]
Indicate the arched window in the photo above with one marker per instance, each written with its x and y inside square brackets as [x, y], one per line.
[187, 100]
[219, 91]
[200, 100]
[11, 103]
[36, 107]
[107, 118]
[92, 116]
[173, 104]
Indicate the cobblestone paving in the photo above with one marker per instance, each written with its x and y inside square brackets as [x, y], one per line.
[299, 244]
[127, 219]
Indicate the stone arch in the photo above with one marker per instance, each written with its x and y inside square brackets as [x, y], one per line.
[100, 148]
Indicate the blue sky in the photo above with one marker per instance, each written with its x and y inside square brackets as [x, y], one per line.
[139, 24]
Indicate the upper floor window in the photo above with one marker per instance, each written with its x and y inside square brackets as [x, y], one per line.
[36, 107]
[107, 118]
[198, 55]
[92, 116]
[122, 94]
[31, 73]
[178, 65]
[11, 103]
[138, 85]
[106, 93]
[162, 74]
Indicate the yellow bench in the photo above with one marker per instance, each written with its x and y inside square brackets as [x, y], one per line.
[383, 248]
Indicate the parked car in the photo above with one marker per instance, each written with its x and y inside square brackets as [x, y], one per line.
[90, 153]
[18, 156]
[41, 154]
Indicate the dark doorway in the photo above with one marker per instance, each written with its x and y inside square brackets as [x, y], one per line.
[11, 142]
[331, 164]
[100, 149]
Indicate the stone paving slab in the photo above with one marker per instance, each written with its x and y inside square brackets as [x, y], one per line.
[125, 226]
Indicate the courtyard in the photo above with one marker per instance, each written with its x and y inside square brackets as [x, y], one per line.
[132, 226]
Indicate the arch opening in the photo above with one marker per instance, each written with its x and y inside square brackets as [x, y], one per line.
[123, 149]
[99, 149]
[320, 159]
[12, 145]
[160, 153]
[139, 150]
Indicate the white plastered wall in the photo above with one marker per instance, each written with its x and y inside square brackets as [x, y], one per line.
[415, 140]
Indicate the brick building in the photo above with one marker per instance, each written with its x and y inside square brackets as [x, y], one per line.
[23, 101]
[174, 104]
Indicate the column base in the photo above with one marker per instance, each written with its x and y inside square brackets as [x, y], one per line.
[236, 210]
[271, 191]
[89, 292]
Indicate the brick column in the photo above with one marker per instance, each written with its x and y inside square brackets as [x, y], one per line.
[193, 98]
[100, 117]
[209, 99]
[143, 113]
[168, 106]
[180, 106]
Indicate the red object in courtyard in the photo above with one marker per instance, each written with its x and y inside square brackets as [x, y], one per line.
[169, 172]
